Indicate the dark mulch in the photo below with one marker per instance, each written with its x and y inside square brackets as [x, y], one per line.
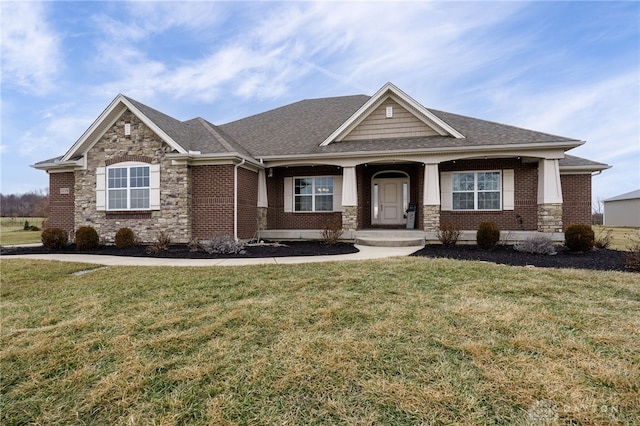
[602, 259]
[289, 248]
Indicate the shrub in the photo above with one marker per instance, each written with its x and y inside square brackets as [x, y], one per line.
[540, 244]
[448, 233]
[488, 235]
[194, 245]
[332, 233]
[162, 243]
[224, 244]
[26, 225]
[579, 238]
[54, 238]
[125, 238]
[87, 238]
[633, 255]
[603, 239]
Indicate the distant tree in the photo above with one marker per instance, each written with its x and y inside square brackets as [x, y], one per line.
[597, 216]
[31, 204]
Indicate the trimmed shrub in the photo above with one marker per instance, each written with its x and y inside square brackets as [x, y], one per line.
[448, 233]
[488, 235]
[125, 238]
[87, 238]
[539, 244]
[224, 244]
[332, 233]
[579, 238]
[54, 238]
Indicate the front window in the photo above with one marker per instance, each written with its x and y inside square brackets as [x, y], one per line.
[128, 188]
[313, 194]
[477, 191]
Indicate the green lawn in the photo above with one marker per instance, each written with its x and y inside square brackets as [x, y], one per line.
[11, 230]
[397, 341]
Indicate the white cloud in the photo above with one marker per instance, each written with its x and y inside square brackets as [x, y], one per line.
[31, 57]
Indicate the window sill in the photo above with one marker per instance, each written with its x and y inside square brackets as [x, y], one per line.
[128, 214]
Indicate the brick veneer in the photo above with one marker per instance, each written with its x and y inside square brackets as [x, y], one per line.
[576, 194]
[247, 203]
[145, 146]
[277, 218]
[525, 214]
[61, 206]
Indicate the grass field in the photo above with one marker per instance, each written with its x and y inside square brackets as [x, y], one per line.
[621, 237]
[11, 230]
[399, 341]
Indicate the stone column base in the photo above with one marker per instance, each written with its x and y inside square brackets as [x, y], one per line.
[262, 218]
[349, 218]
[431, 215]
[550, 217]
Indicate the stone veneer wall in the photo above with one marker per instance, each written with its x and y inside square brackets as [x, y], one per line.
[550, 217]
[350, 218]
[175, 191]
[431, 218]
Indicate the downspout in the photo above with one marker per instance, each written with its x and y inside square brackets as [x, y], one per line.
[235, 199]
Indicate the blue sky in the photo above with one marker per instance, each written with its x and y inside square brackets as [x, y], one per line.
[567, 68]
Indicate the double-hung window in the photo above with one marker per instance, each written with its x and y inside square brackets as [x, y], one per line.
[313, 194]
[477, 190]
[128, 188]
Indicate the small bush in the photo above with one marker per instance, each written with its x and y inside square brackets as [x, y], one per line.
[331, 233]
[224, 244]
[488, 235]
[125, 238]
[633, 255]
[162, 243]
[579, 238]
[603, 239]
[87, 238]
[540, 244]
[194, 245]
[448, 233]
[26, 225]
[54, 238]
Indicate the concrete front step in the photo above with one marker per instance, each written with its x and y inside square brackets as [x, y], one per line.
[390, 238]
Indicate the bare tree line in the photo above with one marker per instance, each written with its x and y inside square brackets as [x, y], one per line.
[31, 204]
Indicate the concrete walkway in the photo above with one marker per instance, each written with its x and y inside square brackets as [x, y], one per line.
[365, 253]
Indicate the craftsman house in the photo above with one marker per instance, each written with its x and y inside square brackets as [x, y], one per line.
[359, 161]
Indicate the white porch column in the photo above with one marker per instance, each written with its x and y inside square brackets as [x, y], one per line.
[431, 198]
[549, 196]
[349, 199]
[431, 194]
[262, 189]
[549, 188]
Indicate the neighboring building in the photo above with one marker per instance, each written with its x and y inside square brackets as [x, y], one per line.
[359, 161]
[623, 210]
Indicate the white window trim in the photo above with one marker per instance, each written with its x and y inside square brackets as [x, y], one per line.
[507, 190]
[102, 189]
[476, 191]
[289, 194]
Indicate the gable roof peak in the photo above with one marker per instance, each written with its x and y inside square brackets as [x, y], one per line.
[389, 90]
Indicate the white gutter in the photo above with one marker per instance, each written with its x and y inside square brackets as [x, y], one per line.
[235, 199]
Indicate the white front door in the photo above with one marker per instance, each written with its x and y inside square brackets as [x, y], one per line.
[389, 196]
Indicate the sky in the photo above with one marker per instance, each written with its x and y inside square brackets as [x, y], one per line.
[566, 68]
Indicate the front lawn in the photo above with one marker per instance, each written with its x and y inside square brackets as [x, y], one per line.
[396, 341]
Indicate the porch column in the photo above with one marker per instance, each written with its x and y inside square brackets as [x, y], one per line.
[431, 198]
[549, 196]
[349, 199]
[263, 202]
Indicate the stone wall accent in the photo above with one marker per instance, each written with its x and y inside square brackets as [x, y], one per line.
[350, 218]
[175, 191]
[550, 217]
[262, 218]
[61, 204]
[431, 221]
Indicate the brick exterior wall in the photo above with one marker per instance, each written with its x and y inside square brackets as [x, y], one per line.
[61, 206]
[277, 218]
[524, 217]
[145, 146]
[212, 207]
[576, 194]
[247, 203]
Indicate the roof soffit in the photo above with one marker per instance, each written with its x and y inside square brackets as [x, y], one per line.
[108, 117]
[390, 91]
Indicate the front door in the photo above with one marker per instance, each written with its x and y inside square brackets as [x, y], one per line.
[389, 198]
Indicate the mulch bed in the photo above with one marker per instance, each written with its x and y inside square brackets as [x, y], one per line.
[181, 251]
[601, 259]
